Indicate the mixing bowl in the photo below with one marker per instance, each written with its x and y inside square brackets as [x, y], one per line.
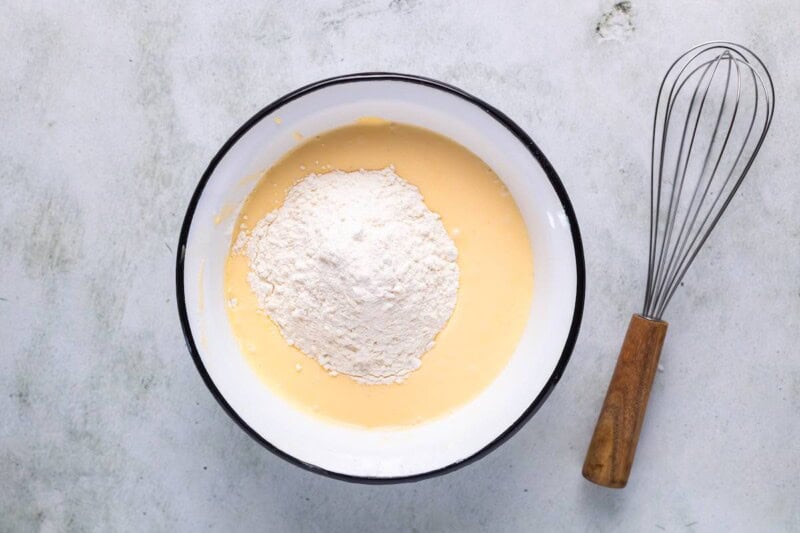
[397, 454]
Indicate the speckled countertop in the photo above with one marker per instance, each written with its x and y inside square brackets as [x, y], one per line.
[111, 111]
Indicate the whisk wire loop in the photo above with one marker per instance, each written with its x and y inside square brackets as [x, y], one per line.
[713, 111]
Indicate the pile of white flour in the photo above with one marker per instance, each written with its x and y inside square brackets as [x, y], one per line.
[356, 271]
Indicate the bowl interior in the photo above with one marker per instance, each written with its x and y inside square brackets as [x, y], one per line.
[386, 453]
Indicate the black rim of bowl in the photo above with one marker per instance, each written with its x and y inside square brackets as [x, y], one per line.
[555, 181]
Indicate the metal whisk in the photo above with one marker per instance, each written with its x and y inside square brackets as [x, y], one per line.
[713, 111]
[722, 85]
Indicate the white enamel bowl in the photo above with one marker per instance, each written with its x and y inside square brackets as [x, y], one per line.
[437, 446]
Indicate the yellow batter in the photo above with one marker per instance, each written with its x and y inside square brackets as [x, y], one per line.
[494, 296]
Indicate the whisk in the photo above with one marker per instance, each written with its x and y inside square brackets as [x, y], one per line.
[713, 110]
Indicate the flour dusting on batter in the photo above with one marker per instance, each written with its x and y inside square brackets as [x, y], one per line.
[356, 271]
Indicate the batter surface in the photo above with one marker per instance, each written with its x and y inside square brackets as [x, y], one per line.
[494, 296]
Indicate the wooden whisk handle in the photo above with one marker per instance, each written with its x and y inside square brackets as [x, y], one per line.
[610, 456]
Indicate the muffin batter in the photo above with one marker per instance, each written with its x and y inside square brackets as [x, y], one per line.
[494, 259]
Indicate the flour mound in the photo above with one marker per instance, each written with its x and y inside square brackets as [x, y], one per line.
[356, 272]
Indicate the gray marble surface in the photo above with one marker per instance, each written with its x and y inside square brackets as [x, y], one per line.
[109, 113]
